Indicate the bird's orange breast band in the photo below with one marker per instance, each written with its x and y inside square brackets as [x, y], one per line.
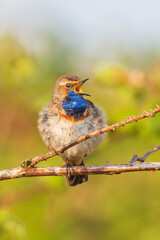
[72, 119]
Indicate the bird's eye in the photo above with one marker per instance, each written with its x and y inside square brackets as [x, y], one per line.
[68, 85]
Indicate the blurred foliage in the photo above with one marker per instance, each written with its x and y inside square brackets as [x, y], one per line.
[107, 207]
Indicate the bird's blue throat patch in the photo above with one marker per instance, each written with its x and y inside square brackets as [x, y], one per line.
[74, 105]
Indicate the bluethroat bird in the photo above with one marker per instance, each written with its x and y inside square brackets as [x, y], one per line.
[68, 116]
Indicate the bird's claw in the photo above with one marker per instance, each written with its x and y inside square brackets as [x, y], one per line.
[69, 170]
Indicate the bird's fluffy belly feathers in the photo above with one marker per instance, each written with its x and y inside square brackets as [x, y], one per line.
[59, 131]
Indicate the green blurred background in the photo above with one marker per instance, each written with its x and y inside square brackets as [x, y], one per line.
[125, 206]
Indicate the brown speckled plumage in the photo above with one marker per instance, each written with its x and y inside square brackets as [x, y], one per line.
[57, 130]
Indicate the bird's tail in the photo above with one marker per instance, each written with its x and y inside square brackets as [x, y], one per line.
[74, 180]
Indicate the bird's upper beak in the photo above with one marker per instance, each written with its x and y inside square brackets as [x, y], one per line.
[77, 87]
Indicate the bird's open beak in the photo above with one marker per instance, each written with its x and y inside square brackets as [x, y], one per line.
[77, 87]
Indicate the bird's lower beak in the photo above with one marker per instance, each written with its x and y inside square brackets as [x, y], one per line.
[78, 86]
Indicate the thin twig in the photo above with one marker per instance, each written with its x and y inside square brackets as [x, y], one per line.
[32, 162]
[143, 158]
[108, 169]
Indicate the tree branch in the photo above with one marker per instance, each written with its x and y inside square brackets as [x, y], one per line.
[32, 162]
[108, 169]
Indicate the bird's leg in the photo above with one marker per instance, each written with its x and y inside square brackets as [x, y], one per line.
[82, 164]
[67, 165]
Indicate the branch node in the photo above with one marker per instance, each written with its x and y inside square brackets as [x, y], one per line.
[86, 136]
[134, 159]
[107, 163]
[26, 164]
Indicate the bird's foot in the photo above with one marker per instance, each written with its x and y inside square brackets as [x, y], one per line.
[69, 169]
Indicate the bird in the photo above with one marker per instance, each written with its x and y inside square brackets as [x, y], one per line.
[68, 116]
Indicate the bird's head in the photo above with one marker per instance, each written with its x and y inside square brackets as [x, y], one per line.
[67, 85]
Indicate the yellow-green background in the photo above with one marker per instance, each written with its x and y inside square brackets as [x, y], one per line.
[124, 206]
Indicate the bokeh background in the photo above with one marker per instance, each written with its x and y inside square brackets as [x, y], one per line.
[117, 45]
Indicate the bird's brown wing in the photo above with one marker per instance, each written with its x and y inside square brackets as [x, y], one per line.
[97, 114]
